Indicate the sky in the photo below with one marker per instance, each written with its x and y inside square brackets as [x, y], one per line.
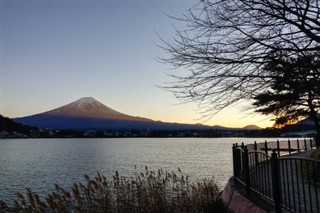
[54, 52]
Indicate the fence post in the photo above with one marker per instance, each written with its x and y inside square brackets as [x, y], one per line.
[278, 147]
[266, 147]
[246, 169]
[305, 145]
[275, 181]
[236, 161]
[255, 146]
[289, 146]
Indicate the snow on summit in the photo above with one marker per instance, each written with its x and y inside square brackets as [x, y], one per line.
[90, 108]
[89, 105]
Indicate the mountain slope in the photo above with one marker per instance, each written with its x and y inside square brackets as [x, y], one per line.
[251, 127]
[89, 114]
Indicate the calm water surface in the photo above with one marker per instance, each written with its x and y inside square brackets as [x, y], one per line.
[40, 163]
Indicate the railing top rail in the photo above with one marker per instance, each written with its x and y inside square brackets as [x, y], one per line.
[238, 147]
[300, 158]
[260, 152]
[285, 140]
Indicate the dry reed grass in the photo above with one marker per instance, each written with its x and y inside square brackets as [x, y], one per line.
[148, 191]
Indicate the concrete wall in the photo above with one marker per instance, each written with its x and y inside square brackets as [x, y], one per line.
[236, 202]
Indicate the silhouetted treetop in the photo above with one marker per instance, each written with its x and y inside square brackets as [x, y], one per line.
[294, 91]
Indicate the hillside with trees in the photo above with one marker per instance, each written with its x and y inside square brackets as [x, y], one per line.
[9, 126]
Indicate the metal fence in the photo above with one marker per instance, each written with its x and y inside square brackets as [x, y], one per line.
[289, 181]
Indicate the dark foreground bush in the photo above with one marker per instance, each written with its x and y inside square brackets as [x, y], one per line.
[310, 169]
[315, 154]
[148, 191]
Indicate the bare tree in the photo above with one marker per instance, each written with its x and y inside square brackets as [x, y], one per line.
[227, 43]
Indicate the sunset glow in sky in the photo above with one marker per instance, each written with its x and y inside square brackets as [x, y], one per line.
[54, 52]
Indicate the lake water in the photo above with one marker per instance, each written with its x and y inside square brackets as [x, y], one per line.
[40, 163]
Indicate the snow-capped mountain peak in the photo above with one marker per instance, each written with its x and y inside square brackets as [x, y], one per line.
[90, 108]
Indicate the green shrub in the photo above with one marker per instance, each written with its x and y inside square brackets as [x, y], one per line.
[148, 191]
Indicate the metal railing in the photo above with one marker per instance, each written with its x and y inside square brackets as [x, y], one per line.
[288, 181]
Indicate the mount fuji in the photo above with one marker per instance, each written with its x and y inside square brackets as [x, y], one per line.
[89, 114]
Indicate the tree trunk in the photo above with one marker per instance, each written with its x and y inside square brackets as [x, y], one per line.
[317, 127]
[314, 117]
